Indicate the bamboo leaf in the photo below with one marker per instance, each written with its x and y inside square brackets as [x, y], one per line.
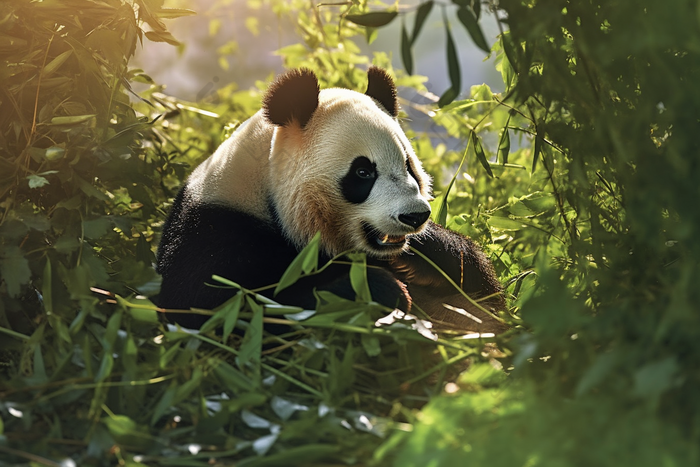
[36, 181]
[39, 368]
[371, 344]
[510, 50]
[441, 214]
[453, 69]
[504, 144]
[476, 8]
[480, 154]
[406, 53]
[466, 16]
[374, 19]
[536, 152]
[358, 277]
[252, 340]
[54, 153]
[162, 36]
[305, 262]
[105, 366]
[234, 379]
[231, 310]
[111, 330]
[370, 35]
[56, 63]
[14, 270]
[185, 389]
[72, 120]
[169, 13]
[46, 292]
[421, 15]
[165, 402]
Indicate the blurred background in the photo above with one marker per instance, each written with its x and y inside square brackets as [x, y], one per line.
[235, 41]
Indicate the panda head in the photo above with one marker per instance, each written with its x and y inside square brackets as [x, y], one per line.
[341, 164]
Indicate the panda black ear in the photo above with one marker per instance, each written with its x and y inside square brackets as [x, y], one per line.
[381, 87]
[293, 96]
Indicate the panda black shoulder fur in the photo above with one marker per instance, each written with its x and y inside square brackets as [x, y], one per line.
[334, 161]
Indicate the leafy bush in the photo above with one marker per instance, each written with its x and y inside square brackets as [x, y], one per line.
[89, 373]
[605, 92]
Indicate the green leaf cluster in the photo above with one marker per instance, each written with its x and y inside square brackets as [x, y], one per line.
[583, 181]
[579, 180]
[89, 374]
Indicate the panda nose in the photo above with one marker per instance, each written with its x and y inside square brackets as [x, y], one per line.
[414, 219]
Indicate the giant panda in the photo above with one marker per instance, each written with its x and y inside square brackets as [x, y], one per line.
[333, 161]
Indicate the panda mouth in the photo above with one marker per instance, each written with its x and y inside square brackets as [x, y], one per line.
[391, 240]
[377, 239]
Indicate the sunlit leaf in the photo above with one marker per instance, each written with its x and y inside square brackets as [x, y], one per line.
[56, 63]
[162, 36]
[36, 181]
[504, 223]
[170, 13]
[73, 120]
[504, 144]
[226, 315]
[54, 153]
[358, 277]
[439, 208]
[305, 262]
[285, 408]
[252, 340]
[370, 35]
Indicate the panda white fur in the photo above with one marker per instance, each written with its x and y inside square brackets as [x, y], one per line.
[333, 161]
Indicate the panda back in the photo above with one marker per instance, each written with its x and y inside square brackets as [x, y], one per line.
[237, 174]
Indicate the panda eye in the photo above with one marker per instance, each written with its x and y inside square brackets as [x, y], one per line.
[358, 181]
[364, 172]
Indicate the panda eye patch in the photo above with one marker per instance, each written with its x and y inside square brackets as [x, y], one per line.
[409, 169]
[358, 181]
[364, 172]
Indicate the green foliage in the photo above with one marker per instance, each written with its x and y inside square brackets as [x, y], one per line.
[79, 189]
[89, 373]
[579, 179]
[592, 197]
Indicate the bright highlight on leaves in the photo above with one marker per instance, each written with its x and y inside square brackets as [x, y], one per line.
[305, 263]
